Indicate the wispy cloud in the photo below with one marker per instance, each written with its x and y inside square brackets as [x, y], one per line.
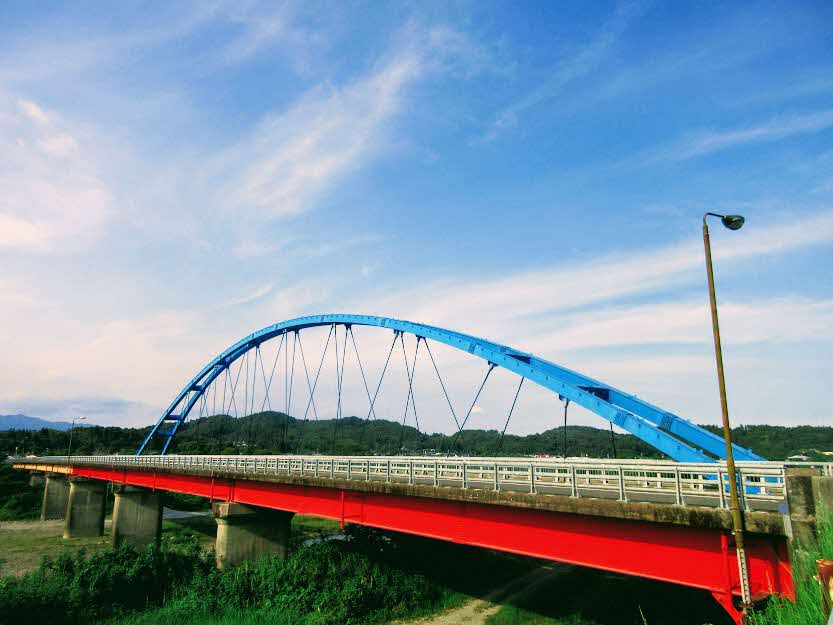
[537, 295]
[579, 64]
[295, 157]
[710, 141]
[754, 321]
[250, 298]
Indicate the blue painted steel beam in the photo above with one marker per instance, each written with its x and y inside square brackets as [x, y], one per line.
[676, 437]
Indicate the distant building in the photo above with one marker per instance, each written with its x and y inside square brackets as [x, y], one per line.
[799, 458]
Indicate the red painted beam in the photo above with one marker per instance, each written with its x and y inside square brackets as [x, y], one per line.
[682, 555]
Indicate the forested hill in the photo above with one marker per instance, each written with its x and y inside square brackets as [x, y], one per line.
[273, 432]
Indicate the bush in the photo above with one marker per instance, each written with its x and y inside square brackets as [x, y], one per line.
[334, 582]
[18, 500]
[80, 588]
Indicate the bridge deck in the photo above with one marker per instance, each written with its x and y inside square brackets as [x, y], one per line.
[651, 491]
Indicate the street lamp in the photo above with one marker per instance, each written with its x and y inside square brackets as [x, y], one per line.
[71, 427]
[732, 222]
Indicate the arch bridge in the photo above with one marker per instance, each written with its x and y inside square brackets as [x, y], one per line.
[674, 436]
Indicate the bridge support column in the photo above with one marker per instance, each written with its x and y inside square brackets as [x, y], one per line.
[55, 495]
[137, 515]
[249, 533]
[36, 479]
[85, 508]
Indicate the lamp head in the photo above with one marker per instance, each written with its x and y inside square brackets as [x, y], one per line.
[733, 222]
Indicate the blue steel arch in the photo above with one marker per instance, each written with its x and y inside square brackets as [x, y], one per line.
[676, 437]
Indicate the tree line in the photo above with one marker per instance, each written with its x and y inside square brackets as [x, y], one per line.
[272, 432]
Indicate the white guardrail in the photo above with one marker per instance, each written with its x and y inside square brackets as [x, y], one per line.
[763, 486]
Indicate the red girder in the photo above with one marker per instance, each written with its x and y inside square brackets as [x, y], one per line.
[695, 557]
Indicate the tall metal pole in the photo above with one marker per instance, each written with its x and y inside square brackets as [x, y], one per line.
[737, 517]
[69, 447]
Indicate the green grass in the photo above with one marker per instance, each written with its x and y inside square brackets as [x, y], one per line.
[23, 544]
[807, 608]
[182, 616]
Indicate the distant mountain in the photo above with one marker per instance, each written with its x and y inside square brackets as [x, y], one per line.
[22, 422]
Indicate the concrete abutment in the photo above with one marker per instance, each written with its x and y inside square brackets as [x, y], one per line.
[137, 515]
[249, 532]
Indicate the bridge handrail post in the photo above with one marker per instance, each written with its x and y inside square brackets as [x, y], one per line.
[742, 490]
[497, 478]
[410, 472]
[573, 485]
[531, 479]
[436, 472]
[387, 470]
[349, 469]
[679, 484]
[720, 487]
[465, 476]
[622, 495]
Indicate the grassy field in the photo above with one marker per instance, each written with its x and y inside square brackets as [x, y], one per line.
[24, 543]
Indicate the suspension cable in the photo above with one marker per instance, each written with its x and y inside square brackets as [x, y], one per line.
[612, 440]
[378, 386]
[292, 374]
[409, 372]
[291, 384]
[306, 372]
[340, 385]
[214, 394]
[511, 410]
[274, 365]
[318, 373]
[246, 387]
[361, 368]
[473, 403]
[338, 392]
[225, 384]
[439, 377]
[266, 398]
[234, 388]
[382, 376]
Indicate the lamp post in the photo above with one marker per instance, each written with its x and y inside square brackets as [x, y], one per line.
[71, 427]
[732, 222]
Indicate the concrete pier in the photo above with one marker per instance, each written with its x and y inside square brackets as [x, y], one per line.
[55, 495]
[249, 533]
[137, 515]
[85, 508]
[36, 479]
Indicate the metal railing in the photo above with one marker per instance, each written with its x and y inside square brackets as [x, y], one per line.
[761, 484]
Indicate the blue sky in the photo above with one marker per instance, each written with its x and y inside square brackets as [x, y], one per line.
[173, 178]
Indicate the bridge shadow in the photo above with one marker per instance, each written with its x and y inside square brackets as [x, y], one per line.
[572, 594]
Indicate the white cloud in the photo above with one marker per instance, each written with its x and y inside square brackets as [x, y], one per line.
[495, 307]
[711, 141]
[51, 192]
[755, 321]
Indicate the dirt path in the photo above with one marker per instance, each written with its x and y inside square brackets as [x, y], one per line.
[476, 611]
